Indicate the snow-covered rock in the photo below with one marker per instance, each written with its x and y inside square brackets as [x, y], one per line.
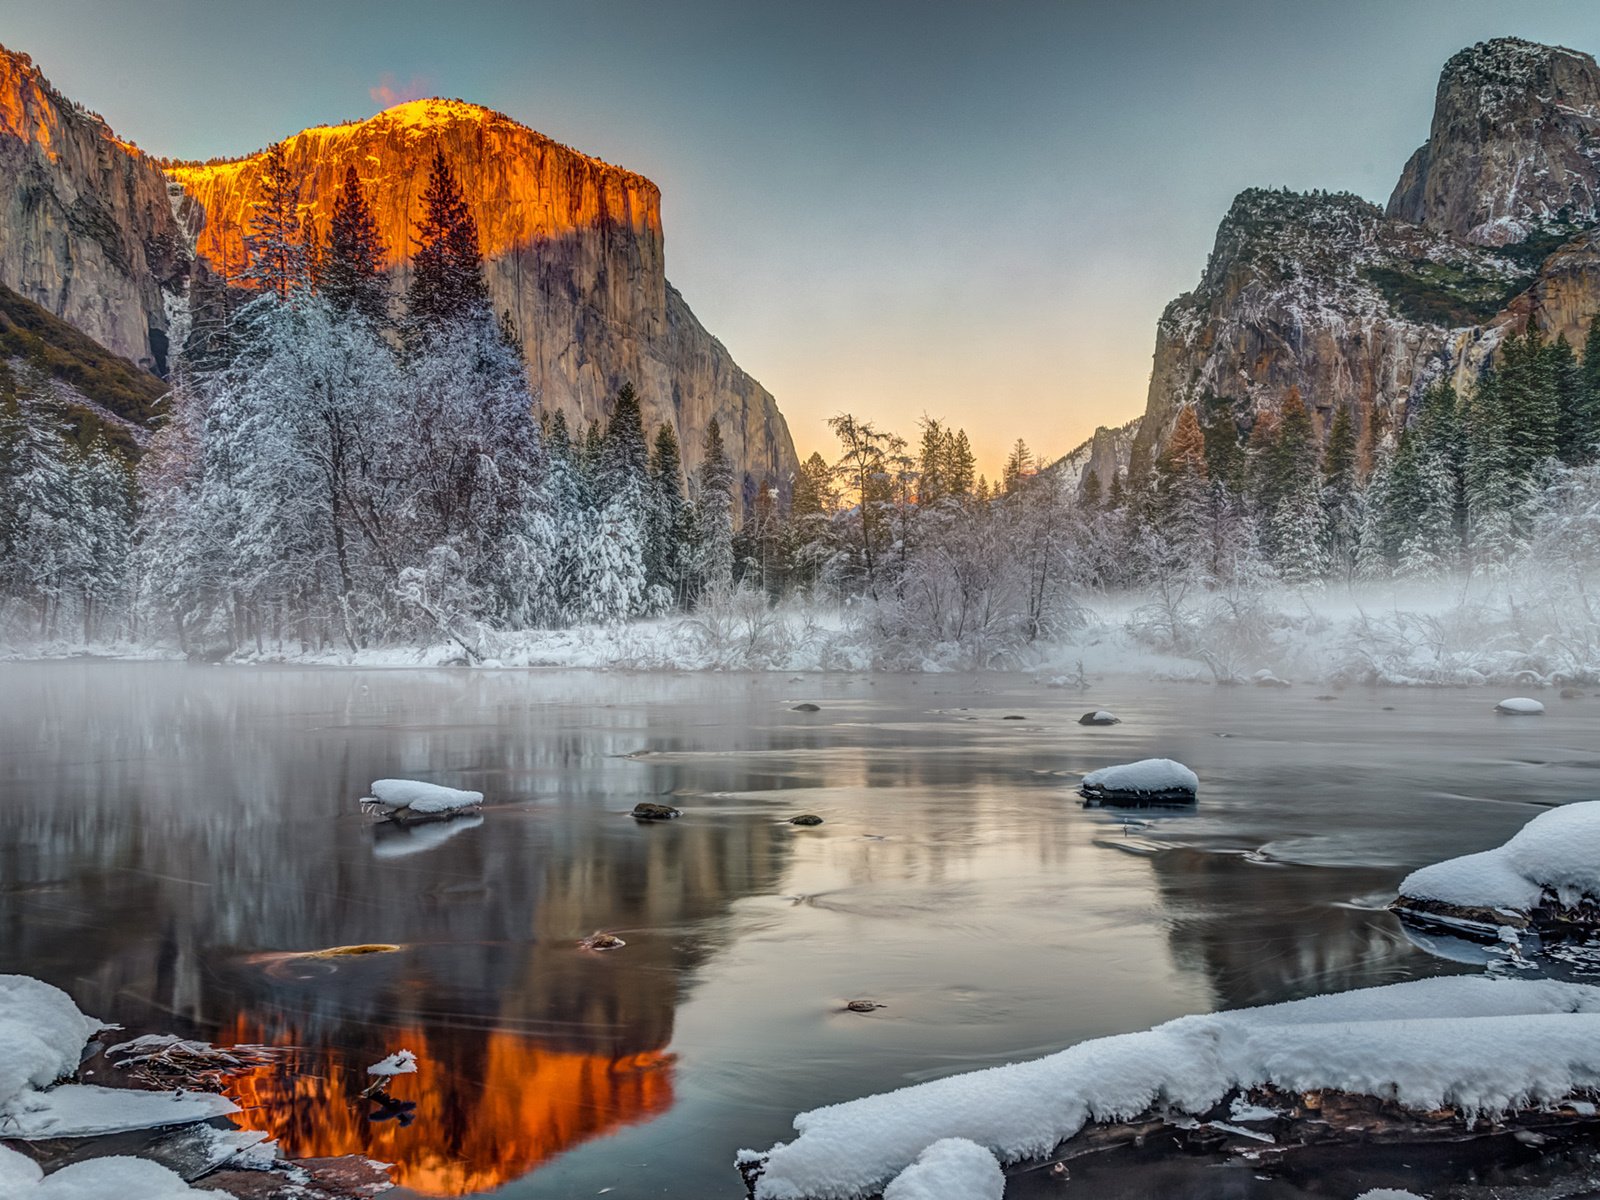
[1520, 706]
[1099, 717]
[42, 1035]
[1548, 872]
[1150, 780]
[96, 1179]
[412, 797]
[950, 1169]
[1475, 1043]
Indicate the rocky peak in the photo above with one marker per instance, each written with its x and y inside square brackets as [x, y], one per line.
[573, 249]
[1514, 147]
[86, 229]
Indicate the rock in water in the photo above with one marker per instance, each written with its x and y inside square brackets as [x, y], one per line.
[1520, 706]
[644, 811]
[1148, 781]
[1099, 717]
[602, 941]
[806, 819]
[806, 707]
[411, 799]
[1546, 877]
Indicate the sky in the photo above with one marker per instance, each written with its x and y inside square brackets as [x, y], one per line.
[971, 211]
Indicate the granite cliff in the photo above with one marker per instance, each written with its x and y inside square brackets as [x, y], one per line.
[1356, 306]
[98, 233]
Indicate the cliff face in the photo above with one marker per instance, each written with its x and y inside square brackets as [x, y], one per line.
[86, 228]
[573, 249]
[1514, 144]
[1355, 306]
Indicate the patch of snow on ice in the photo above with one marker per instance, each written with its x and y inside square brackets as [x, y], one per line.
[87, 1110]
[950, 1169]
[1476, 1043]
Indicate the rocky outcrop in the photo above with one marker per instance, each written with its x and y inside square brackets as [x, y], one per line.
[86, 230]
[573, 250]
[1323, 295]
[1351, 306]
[1514, 146]
[1105, 454]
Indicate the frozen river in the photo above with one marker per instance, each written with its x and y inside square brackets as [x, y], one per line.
[175, 839]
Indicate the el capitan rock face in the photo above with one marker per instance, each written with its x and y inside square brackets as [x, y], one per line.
[94, 231]
[86, 227]
[1352, 306]
[573, 250]
[1514, 144]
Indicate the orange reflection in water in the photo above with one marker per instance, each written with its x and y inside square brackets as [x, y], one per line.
[472, 1132]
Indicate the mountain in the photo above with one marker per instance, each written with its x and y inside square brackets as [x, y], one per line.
[1352, 305]
[95, 231]
[97, 392]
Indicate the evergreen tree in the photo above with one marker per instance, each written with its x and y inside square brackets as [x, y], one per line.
[276, 243]
[1583, 432]
[1090, 491]
[1226, 461]
[353, 278]
[667, 532]
[1288, 494]
[624, 463]
[714, 515]
[932, 486]
[447, 280]
[1019, 465]
[958, 464]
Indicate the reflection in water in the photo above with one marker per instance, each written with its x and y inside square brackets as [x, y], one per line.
[475, 1125]
[174, 841]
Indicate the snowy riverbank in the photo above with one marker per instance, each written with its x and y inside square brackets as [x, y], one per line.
[1457, 634]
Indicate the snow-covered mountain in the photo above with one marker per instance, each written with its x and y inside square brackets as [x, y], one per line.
[1356, 306]
[95, 231]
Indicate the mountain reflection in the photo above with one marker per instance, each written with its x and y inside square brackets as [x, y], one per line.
[175, 860]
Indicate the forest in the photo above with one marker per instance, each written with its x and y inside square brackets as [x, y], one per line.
[339, 468]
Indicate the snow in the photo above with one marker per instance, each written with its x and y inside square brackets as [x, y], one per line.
[1520, 706]
[97, 1178]
[1476, 1043]
[1388, 1194]
[417, 797]
[42, 1036]
[1148, 776]
[401, 1062]
[950, 1169]
[88, 1110]
[1558, 850]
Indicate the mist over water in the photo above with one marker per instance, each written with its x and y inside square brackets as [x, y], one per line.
[176, 840]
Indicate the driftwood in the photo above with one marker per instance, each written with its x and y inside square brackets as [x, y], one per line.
[1301, 1122]
[1550, 919]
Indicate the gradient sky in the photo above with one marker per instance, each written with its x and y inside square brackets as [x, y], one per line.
[975, 211]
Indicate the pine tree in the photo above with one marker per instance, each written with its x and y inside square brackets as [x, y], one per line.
[1089, 491]
[1566, 380]
[958, 463]
[447, 279]
[932, 486]
[624, 463]
[714, 515]
[667, 532]
[353, 278]
[1019, 465]
[1288, 494]
[1226, 462]
[1584, 431]
[276, 242]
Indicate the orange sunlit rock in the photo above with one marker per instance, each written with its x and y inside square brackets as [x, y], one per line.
[519, 1104]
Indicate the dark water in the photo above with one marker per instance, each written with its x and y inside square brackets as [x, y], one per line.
[175, 841]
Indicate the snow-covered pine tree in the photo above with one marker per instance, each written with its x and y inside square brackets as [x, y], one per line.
[667, 531]
[714, 515]
[275, 244]
[353, 277]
